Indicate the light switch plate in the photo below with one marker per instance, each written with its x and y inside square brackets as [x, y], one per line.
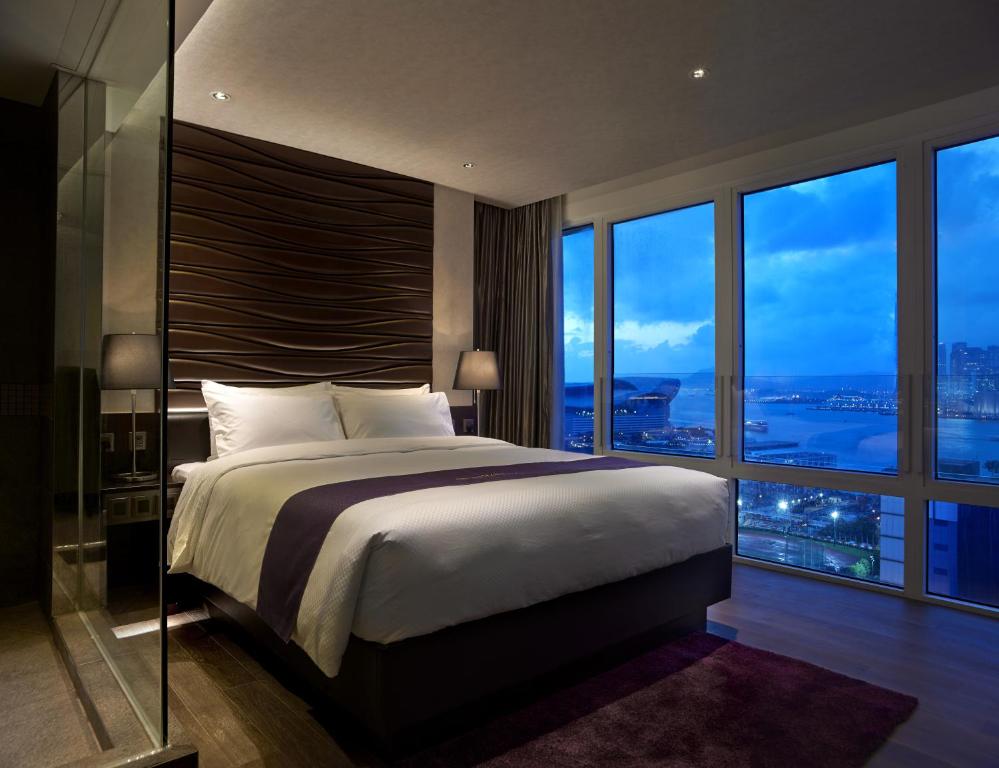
[468, 426]
[107, 442]
[140, 441]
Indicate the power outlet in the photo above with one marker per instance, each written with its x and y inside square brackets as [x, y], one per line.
[468, 426]
[107, 442]
[140, 441]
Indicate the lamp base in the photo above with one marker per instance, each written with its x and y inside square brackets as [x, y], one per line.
[136, 477]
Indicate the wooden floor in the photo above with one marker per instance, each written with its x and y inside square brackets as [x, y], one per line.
[237, 714]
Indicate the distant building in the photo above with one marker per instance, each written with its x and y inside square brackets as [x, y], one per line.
[963, 560]
[799, 458]
[891, 539]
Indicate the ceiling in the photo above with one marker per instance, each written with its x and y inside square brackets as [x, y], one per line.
[119, 42]
[548, 96]
[544, 96]
[34, 34]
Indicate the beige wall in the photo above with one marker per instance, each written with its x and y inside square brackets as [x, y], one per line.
[132, 198]
[658, 188]
[453, 286]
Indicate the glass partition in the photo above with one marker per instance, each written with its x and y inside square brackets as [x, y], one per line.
[108, 514]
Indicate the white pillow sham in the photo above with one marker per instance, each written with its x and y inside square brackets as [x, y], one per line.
[421, 390]
[240, 422]
[217, 389]
[376, 416]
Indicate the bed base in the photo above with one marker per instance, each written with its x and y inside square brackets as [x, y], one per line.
[401, 693]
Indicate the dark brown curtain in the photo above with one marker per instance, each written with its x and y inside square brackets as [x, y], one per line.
[514, 317]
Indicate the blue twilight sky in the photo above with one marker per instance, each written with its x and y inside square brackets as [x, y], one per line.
[968, 243]
[820, 276]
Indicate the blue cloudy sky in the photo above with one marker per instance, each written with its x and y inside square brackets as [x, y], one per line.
[820, 276]
[968, 243]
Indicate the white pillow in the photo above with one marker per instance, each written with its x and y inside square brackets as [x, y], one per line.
[421, 390]
[240, 422]
[367, 416]
[222, 389]
[182, 472]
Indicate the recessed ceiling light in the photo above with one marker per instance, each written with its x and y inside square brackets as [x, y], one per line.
[468, 165]
[698, 73]
[221, 96]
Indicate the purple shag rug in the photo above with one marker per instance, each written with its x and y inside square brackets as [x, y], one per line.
[698, 701]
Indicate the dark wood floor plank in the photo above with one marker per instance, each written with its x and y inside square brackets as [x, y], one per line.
[302, 741]
[220, 665]
[231, 732]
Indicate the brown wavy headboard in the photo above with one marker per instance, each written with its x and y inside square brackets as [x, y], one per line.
[287, 266]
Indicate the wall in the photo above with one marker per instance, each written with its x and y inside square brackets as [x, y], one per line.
[452, 270]
[132, 204]
[26, 214]
[643, 192]
[287, 266]
[454, 241]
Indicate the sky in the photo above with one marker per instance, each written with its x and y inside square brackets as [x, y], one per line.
[819, 276]
[968, 243]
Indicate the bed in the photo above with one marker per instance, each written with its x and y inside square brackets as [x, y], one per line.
[456, 567]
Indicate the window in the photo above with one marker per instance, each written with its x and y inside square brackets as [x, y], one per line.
[808, 276]
[664, 333]
[967, 321]
[858, 535]
[963, 552]
[819, 322]
[577, 329]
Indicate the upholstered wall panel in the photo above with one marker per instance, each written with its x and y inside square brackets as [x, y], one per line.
[287, 267]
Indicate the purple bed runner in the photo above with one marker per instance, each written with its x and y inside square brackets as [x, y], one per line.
[305, 518]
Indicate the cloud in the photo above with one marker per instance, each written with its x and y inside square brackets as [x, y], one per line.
[576, 328]
[646, 336]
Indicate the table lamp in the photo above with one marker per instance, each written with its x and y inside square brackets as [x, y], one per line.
[131, 361]
[477, 370]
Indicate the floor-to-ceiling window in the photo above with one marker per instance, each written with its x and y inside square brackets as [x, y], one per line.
[577, 331]
[967, 322]
[963, 538]
[820, 362]
[819, 322]
[664, 332]
[823, 332]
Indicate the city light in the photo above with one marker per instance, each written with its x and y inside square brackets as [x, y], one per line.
[782, 505]
[834, 514]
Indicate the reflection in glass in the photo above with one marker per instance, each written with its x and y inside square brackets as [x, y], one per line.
[105, 584]
[963, 552]
[820, 326]
[846, 533]
[967, 341]
[577, 330]
[664, 333]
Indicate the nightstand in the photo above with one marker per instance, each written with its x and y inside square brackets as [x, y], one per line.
[131, 513]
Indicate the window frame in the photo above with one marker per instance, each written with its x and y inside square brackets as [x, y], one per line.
[914, 151]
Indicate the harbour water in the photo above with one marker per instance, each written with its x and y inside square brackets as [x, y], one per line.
[859, 440]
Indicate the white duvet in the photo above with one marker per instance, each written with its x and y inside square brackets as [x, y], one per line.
[407, 565]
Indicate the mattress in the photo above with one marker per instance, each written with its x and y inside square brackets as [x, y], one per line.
[407, 564]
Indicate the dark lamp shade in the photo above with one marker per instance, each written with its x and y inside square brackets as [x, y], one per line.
[130, 361]
[477, 370]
